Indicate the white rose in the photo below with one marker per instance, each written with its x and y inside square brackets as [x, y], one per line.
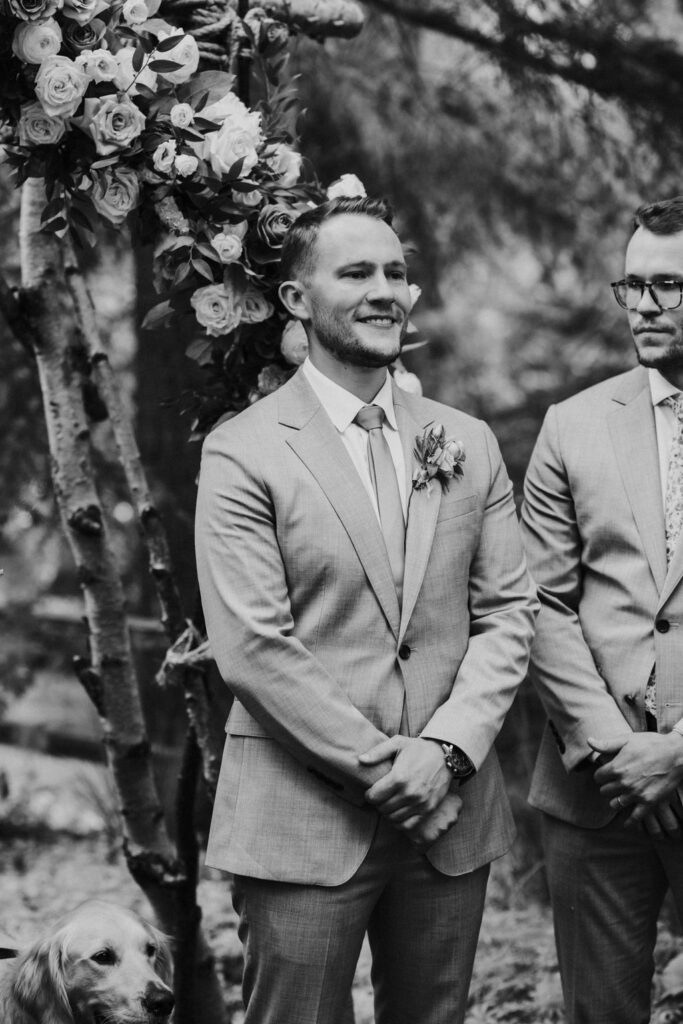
[113, 123]
[36, 128]
[99, 65]
[294, 344]
[34, 41]
[228, 145]
[255, 307]
[127, 79]
[407, 381]
[347, 186]
[231, 106]
[83, 11]
[182, 115]
[33, 10]
[228, 247]
[185, 53]
[286, 163]
[164, 156]
[252, 198]
[216, 309]
[415, 293]
[135, 12]
[60, 86]
[185, 164]
[115, 193]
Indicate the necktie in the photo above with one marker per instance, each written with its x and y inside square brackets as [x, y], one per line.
[385, 485]
[673, 514]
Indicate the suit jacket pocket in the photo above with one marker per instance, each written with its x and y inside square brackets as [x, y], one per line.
[455, 507]
[241, 723]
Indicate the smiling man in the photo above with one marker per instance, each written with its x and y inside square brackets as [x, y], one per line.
[374, 634]
[602, 520]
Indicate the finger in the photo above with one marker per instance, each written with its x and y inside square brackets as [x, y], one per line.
[384, 750]
[618, 802]
[671, 826]
[651, 825]
[608, 744]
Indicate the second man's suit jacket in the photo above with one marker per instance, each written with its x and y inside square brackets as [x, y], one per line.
[305, 625]
[593, 528]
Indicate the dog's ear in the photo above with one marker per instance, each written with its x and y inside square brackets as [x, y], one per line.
[163, 962]
[39, 983]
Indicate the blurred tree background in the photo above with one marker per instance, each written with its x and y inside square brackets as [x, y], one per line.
[514, 138]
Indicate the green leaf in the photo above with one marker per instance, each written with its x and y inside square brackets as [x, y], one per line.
[203, 268]
[162, 66]
[169, 43]
[216, 84]
[158, 316]
[138, 58]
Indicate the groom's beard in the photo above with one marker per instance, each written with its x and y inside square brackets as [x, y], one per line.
[339, 338]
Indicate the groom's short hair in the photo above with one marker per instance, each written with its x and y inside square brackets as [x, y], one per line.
[297, 260]
[664, 217]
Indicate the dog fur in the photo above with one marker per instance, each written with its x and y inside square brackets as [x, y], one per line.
[99, 964]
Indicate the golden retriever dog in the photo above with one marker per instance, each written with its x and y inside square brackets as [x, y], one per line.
[99, 964]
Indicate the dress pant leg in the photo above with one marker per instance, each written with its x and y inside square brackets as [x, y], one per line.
[607, 886]
[423, 934]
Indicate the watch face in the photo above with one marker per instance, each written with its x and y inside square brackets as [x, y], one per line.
[459, 763]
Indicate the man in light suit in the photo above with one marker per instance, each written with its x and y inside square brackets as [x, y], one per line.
[374, 635]
[601, 523]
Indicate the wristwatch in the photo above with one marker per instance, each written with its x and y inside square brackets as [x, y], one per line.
[457, 762]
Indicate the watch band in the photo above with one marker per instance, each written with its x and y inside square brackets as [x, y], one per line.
[457, 762]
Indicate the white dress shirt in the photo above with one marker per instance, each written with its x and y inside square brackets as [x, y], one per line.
[665, 421]
[341, 406]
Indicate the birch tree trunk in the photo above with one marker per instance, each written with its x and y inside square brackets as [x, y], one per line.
[110, 679]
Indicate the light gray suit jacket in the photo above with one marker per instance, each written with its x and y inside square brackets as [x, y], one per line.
[593, 528]
[306, 629]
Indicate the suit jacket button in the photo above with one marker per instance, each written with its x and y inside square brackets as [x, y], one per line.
[662, 625]
[404, 652]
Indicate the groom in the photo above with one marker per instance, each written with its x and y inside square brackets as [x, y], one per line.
[374, 635]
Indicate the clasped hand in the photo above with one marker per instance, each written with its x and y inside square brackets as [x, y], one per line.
[640, 772]
[418, 794]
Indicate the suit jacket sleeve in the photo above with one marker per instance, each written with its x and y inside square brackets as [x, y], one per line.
[563, 670]
[251, 629]
[502, 601]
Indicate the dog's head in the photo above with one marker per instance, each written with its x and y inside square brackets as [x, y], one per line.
[100, 964]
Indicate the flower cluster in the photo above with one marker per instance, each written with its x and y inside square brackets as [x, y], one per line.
[439, 457]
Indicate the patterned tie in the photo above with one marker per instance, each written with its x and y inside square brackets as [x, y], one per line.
[673, 514]
[385, 485]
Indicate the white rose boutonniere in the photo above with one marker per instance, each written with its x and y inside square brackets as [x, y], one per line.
[439, 458]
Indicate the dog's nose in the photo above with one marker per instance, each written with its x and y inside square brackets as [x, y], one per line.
[158, 1001]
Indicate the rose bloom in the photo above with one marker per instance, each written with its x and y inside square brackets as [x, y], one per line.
[185, 53]
[228, 145]
[408, 381]
[294, 344]
[273, 223]
[228, 247]
[60, 86]
[83, 11]
[182, 115]
[135, 12]
[36, 128]
[127, 79]
[33, 10]
[115, 193]
[255, 307]
[84, 37]
[113, 123]
[216, 309]
[286, 163]
[348, 185]
[171, 217]
[186, 164]
[34, 41]
[231, 107]
[99, 65]
[415, 293]
[271, 378]
[251, 198]
[163, 156]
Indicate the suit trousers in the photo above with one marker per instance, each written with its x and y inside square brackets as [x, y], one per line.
[302, 942]
[607, 886]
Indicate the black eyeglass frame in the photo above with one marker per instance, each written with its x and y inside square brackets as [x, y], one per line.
[635, 283]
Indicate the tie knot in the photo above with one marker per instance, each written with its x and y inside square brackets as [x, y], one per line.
[370, 417]
[675, 402]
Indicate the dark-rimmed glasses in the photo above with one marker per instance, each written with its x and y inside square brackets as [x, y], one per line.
[666, 294]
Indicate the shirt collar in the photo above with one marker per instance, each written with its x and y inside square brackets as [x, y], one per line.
[660, 387]
[341, 405]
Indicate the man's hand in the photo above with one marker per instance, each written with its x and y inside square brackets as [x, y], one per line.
[416, 784]
[664, 822]
[643, 772]
[425, 831]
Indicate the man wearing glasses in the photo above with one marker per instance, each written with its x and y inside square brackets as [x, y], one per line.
[602, 519]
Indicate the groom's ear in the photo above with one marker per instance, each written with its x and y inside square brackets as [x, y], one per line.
[293, 297]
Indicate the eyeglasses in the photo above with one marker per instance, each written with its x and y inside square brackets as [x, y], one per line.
[667, 294]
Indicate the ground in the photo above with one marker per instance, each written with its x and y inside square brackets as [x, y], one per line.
[57, 847]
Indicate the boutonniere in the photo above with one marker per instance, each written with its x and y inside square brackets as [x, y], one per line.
[439, 458]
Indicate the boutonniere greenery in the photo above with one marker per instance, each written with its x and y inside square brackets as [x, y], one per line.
[439, 457]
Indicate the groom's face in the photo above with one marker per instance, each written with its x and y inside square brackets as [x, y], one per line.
[357, 295]
[657, 333]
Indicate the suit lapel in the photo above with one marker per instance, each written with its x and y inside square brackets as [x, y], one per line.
[632, 428]
[423, 508]
[317, 443]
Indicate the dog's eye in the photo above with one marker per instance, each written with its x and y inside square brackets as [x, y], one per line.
[104, 956]
[151, 950]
